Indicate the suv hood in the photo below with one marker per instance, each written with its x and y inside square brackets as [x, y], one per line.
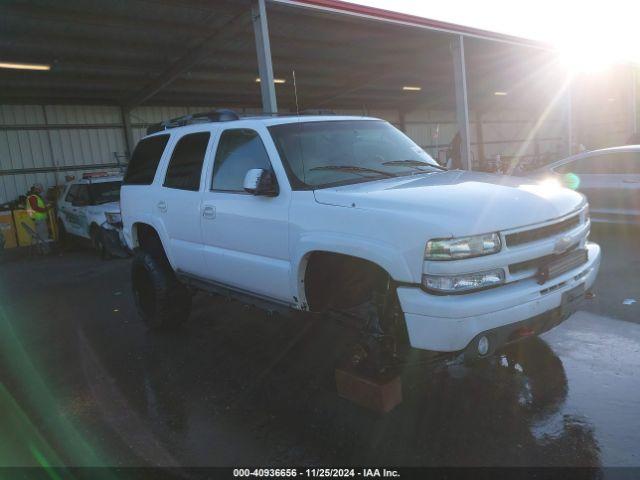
[469, 202]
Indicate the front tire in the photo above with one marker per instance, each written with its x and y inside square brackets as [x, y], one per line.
[98, 243]
[161, 300]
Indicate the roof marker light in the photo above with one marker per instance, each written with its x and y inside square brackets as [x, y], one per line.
[409, 88]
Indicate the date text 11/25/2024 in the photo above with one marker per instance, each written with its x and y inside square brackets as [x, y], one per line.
[316, 472]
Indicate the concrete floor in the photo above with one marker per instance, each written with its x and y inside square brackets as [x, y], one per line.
[82, 382]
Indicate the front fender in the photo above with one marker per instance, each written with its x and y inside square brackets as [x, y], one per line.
[382, 254]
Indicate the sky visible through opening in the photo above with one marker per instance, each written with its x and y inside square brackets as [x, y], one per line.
[588, 35]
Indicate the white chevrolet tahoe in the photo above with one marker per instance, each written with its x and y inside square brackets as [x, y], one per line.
[347, 214]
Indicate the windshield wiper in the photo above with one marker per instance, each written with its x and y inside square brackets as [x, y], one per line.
[353, 168]
[413, 163]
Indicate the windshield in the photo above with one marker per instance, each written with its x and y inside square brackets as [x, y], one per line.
[337, 152]
[104, 192]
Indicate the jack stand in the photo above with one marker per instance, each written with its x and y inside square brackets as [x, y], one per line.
[378, 392]
[369, 378]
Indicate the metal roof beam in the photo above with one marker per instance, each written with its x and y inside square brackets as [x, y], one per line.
[103, 19]
[188, 60]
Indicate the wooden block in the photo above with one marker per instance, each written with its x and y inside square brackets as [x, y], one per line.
[378, 393]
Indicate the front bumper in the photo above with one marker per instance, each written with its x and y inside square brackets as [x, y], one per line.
[113, 240]
[451, 323]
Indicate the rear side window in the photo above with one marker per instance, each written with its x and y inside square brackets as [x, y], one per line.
[608, 163]
[145, 160]
[185, 166]
[239, 151]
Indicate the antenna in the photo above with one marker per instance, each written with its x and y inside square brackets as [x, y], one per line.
[295, 91]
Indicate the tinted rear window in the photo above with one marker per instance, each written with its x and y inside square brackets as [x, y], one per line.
[185, 166]
[104, 192]
[145, 160]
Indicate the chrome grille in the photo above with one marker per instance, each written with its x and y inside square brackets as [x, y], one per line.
[536, 263]
[527, 236]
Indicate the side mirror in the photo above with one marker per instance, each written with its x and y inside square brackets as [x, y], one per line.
[259, 181]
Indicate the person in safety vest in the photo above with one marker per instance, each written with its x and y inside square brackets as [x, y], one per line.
[38, 211]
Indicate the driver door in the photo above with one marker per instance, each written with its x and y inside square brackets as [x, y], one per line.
[72, 209]
[79, 208]
[245, 236]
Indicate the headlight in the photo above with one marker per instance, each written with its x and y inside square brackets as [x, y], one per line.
[464, 247]
[113, 218]
[464, 282]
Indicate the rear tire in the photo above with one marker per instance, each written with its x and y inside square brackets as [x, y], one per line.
[161, 300]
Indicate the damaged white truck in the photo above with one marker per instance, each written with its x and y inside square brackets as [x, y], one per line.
[331, 213]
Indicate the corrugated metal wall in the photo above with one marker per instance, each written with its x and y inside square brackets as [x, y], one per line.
[507, 133]
[45, 143]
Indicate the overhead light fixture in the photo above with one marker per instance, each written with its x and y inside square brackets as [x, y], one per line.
[24, 66]
[275, 80]
[500, 94]
[408, 88]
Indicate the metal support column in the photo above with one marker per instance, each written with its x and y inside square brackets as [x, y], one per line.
[480, 137]
[128, 131]
[402, 123]
[263, 49]
[569, 108]
[634, 100]
[462, 101]
[50, 142]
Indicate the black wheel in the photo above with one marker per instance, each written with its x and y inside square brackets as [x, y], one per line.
[161, 300]
[98, 243]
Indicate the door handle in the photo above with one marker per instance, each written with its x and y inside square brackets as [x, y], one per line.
[209, 211]
[162, 206]
[630, 181]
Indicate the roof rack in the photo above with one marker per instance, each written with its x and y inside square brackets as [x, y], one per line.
[317, 111]
[222, 115]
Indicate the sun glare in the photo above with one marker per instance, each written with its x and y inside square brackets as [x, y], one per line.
[591, 55]
[589, 35]
[599, 38]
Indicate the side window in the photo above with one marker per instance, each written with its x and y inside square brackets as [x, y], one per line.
[82, 197]
[239, 150]
[611, 163]
[145, 160]
[620, 163]
[72, 193]
[185, 166]
[586, 165]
